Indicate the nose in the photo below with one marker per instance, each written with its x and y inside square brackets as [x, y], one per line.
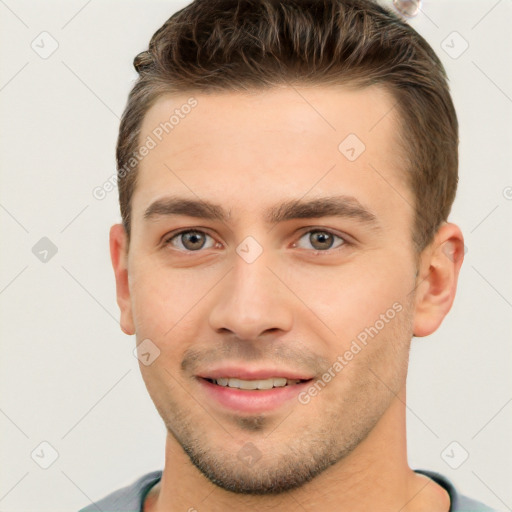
[251, 301]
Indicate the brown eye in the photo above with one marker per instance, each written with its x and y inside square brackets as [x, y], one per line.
[189, 241]
[321, 240]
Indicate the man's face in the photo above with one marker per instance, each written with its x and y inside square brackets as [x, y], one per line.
[256, 296]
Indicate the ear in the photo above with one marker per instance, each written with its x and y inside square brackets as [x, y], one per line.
[119, 256]
[437, 278]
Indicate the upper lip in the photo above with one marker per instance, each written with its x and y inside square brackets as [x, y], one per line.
[238, 372]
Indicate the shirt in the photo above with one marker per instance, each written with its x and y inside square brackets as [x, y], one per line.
[131, 497]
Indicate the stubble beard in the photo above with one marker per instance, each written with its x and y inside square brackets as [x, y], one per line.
[288, 460]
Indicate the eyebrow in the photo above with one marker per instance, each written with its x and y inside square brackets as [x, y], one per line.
[330, 206]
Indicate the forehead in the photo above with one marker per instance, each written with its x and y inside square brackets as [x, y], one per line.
[257, 147]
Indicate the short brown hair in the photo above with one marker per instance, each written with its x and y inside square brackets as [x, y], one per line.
[236, 45]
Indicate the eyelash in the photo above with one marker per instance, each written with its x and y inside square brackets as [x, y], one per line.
[345, 242]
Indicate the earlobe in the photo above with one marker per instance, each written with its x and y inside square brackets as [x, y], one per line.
[119, 257]
[436, 283]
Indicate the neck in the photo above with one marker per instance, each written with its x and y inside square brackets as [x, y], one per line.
[375, 476]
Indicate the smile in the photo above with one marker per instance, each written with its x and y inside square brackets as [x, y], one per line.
[273, 382]
[251, 396]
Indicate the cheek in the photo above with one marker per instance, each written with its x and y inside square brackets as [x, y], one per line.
[165, 300]
[154, 299]
[347, 299]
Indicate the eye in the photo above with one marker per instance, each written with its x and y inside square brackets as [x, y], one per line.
[321, 240]
[190, 241]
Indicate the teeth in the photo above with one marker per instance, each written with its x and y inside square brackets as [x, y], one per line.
[265, 384]
[279, 382]
[274, 382]
[244, 384]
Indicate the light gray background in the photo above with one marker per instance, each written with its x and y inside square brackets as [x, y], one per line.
[68, 375]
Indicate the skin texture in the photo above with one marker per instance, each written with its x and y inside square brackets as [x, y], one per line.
[298, 306]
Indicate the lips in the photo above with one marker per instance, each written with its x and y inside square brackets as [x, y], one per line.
[251, 390]
[248, 374]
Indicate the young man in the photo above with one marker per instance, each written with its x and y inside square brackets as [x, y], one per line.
[285, 170]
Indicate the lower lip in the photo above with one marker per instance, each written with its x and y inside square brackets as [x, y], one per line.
[252, 401]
